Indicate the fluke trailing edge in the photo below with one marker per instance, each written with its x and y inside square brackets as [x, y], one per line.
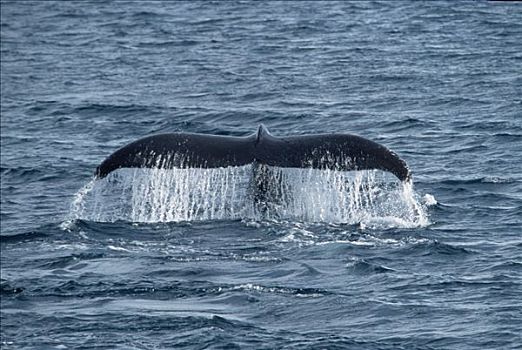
[323, 151]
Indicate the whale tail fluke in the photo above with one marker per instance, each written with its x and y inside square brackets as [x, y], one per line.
[343, 152]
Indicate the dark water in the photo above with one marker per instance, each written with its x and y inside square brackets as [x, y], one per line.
[439, 83]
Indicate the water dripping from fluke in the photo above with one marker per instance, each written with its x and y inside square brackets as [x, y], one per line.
[371, 198]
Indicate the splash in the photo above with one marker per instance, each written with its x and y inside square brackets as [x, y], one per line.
[370, 198]
[77, 205]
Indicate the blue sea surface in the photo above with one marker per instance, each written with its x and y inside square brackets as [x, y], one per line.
[439, 83]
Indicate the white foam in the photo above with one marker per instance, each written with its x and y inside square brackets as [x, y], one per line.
[429, 200]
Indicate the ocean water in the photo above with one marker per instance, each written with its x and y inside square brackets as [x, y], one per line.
[154, 259]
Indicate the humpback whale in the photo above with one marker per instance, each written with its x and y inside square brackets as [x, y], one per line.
[342, 152]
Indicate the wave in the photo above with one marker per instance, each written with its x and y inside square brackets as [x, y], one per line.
[299, 292]
[22, 237]
[363, 267]
[27, 174]
[6, 289]
[434, 247]
[479, 180]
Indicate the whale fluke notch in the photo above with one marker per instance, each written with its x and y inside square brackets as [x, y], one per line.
[343, 152]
